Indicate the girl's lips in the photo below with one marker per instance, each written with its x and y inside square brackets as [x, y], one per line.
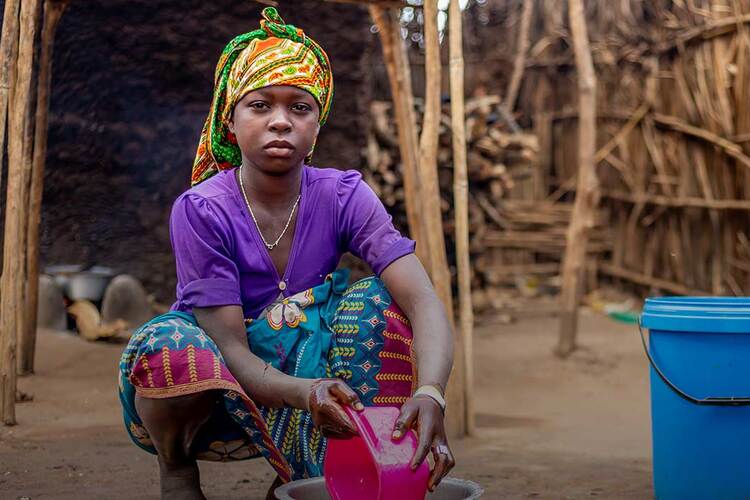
[279, 152]
[279, 143]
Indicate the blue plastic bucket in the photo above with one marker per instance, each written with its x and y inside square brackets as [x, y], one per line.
[699, 349]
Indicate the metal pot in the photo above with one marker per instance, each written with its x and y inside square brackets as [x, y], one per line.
[89, 285]
[315, 489]
[61, 274]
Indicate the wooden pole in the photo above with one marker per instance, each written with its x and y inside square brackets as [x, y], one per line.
[28, 159]
[587, 193]
[14, 243]
[519, 64]
[8, 43]
[432, 214]
[53, 10]
[399, 77]
[461, 203]
[428, 146]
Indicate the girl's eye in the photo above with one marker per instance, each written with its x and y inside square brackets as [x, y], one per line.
[258, 105]
[301, 107]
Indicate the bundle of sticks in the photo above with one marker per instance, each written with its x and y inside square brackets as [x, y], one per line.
[495, 157]
[514, 231]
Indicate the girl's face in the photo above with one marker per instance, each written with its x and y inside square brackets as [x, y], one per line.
[275, 128]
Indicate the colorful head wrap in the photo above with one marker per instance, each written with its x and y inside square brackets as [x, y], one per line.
[276, 54]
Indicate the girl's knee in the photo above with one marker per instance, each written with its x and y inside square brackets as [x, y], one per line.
[178, 409]
[173, 423]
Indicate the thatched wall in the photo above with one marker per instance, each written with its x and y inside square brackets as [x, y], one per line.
[674, 125]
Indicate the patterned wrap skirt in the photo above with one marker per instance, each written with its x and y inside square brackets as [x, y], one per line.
[356, 333]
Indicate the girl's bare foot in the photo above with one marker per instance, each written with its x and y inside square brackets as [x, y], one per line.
[180, 481]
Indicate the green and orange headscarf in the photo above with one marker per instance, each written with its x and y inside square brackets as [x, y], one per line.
[275, 54]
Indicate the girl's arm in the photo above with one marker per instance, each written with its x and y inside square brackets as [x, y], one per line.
[410, 287]
[271, 387]
[262, 382]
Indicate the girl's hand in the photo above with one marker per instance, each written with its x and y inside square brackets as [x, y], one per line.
[326, 396]
[425, 414]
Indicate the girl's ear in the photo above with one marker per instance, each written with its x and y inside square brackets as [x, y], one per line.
[230, 125]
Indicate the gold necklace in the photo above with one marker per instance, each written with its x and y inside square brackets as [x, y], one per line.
[270, 246]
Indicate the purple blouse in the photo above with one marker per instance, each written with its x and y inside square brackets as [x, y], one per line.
[221, 259]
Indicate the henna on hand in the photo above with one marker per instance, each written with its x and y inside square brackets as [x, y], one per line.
[325, 403]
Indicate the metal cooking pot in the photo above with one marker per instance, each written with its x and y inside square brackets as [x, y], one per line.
[90, 285]
[61, 274]
[315, 489]
[82, 285]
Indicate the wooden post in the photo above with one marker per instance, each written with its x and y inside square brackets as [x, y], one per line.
[53, 10]
[428, 145]
[519, 64]
[7, 336]
[28, 159]
[8, 43]
[461, 203]
[587, 194]
[432, 214]
[14, 243]
[399, 77]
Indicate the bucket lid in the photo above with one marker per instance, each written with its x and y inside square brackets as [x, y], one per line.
[697, 314]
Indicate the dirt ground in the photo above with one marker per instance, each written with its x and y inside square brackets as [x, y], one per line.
[546, 428]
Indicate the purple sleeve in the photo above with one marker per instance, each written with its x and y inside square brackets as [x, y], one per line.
[365, 228]
[206, 274]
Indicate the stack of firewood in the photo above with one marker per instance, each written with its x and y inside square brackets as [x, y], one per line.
[496, 157]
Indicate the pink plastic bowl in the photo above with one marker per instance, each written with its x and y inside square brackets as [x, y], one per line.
[372, 466]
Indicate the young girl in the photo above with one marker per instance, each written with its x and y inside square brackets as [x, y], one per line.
[267, 341]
